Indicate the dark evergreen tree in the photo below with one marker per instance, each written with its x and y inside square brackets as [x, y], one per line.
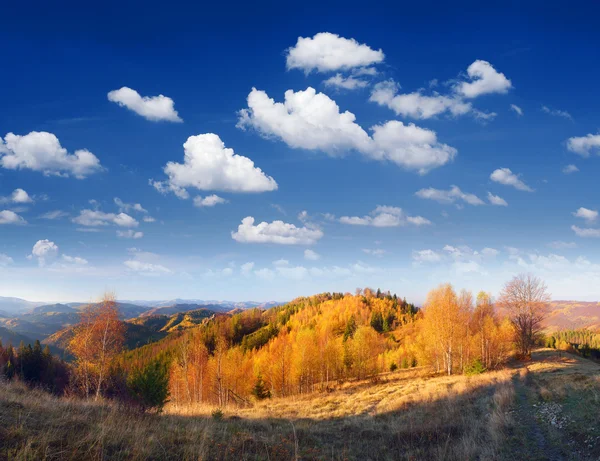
[260, 390]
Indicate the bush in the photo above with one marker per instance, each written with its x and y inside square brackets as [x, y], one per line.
[393, 366]
[149, 386]
[260, 390]
[217, 414]
[474, 368]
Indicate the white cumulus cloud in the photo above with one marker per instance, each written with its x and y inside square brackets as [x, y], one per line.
[584, 145]
[95, 218]
[275, 232]
[327, 52]
[483, 77]
[416, 104]
[209, 165]
[311, 255]
[41, 151]
[428, 256]
[451, 195]
[496, 200]
[18, 196]
[43, 251]
[10, 217]
[208, 201]
[570, 169]
[313, 121]
[586, 232]
[153, 108]
[586, 213]
[385, 216]
[508, 178]
[146, 268]
[346, 83]
[484, 80]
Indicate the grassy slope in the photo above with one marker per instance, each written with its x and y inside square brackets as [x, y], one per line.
[529, 411]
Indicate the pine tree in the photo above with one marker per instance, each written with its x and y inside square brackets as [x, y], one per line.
[149, 386]
[260, 390]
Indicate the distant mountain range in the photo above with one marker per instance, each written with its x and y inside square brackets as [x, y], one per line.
[22, 320]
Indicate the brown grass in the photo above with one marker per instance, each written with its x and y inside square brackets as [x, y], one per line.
[409, 414]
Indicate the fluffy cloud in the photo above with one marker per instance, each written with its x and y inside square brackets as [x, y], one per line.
[10, 217]
[557, 112]
[311, 255]
[409, 146]
[385, 216]
[5, 260]
[416, 104]
[305, 120]
[145, 268]
[153, 108]
[508, 178]
[463, 259]
[127, 207]
[516, 109]
[312, 121]
[208, 201]
[346, 83]
[584, 145]
[449, 196]
[586, 213]
[326, 52]
[41, 151]
[428, 256]
[586, 232]
[43, 251]
[130, 234]
[95, 218]
[275, 232]
[484, 80]
[18, 196]
[570, 169]
[496, 200]
[209, 165]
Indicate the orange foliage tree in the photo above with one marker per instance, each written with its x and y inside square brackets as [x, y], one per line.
[96, 342]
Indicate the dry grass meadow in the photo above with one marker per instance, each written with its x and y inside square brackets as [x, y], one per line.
[544, 409]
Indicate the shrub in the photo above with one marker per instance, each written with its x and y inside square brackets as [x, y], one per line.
[260, 390]
[217, 414]
[474, 368]
[149, 386]
[393, 366]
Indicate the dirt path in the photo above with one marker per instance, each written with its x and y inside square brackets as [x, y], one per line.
[531, 434]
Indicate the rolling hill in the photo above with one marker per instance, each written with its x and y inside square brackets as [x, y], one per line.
[142, 330]
[571, 315]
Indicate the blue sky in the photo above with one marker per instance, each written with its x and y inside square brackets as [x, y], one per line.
[342, 128]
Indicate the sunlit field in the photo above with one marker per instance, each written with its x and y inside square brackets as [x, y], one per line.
[543, 409]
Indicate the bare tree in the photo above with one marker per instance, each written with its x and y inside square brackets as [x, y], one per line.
[526, 299]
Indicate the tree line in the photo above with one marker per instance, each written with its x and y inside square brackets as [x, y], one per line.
[308, 345]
